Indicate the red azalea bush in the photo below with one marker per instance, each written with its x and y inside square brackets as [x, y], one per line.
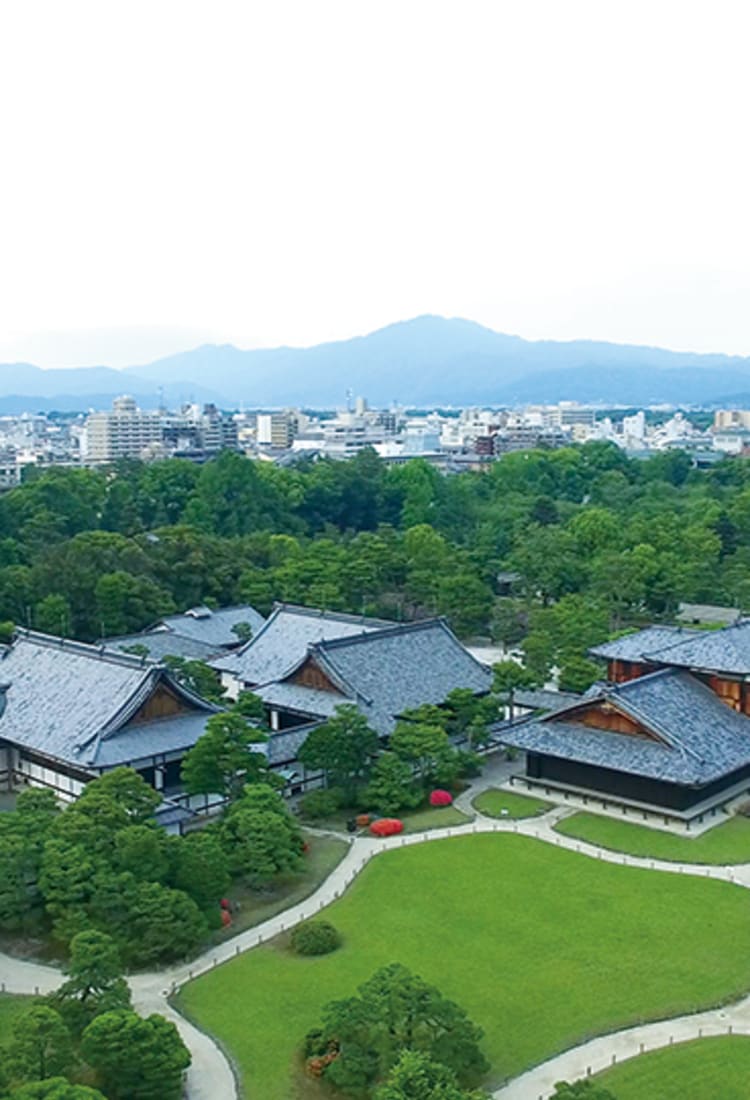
[387, 826]
[441, 798]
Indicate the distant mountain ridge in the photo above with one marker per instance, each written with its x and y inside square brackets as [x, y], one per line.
[425, 361]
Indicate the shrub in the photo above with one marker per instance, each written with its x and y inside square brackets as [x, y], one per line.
[441, 798]
[315, 937]
[387, 826]
[320, 804]
[470, 764]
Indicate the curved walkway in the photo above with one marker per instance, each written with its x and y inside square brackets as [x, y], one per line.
[210, 1076]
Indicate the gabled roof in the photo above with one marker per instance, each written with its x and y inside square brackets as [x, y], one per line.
[65, 698]
[698, 737]
[139, 741]
[305, 701]
[209, 626]
[198, 634]
[726, 650]
[389, 671]
[164, 643]
[539, 699]
[632, 647]
[282, 642]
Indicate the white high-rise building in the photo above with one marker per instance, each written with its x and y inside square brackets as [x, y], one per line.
[125, 432]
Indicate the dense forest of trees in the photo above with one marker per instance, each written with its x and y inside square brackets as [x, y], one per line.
[599, 541]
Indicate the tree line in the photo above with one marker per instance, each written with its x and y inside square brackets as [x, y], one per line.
[595, 538]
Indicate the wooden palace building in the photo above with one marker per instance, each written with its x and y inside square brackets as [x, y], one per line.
[669, 728]
[74, 711]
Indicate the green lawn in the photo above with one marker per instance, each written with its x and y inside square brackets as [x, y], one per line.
[324, 853]
[433, 817]
[10, 1007]
[705, 1069]
[493, 802]
[543, 947]
[727, 843]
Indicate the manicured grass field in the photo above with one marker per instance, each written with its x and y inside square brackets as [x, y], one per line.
[727, 843]
[493, 802]
[324, 854]
[706, 1069]
[543, 947]
[10, 1007]
[437, 817]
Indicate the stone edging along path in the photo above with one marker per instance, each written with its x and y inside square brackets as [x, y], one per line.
[210, 1076]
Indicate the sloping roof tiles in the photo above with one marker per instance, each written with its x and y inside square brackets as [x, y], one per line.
[213, 627]
[631, 647]
[539, 699]
[142, 740]
[282, 641]
[198, 634]
[164, 643]
[726, 650]
[701, 738]
[65, 699]
[393, 670]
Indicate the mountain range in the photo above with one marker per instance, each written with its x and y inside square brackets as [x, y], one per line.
[427, 361]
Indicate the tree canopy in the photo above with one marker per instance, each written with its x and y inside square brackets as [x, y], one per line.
[96, 552]
[393, 1012]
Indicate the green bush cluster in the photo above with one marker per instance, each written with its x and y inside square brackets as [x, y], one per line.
[103, 864]
[319, 805]
[315, 937]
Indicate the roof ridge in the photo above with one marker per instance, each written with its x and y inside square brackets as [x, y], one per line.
[99, 652]
[684, 675]
[242, 649]
[376, 635]
[323, 613]
[336, 675]
[693, 634]
[213, 610]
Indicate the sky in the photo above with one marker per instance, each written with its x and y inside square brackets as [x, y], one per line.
[269, 172]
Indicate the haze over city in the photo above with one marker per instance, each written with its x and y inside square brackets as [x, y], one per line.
[293, 173]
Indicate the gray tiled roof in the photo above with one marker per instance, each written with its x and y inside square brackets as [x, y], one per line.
[538, 699]
[631, 647]
[66, 698]
[301, 699]
[283, 748]
[198, 634]
[171, 813]
[164, 643]
[142, 740]
[283, 640]
[213, 627]
[702, 739]
[393, 670]
[726, 650]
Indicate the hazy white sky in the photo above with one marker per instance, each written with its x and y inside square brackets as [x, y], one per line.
[270, 171]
